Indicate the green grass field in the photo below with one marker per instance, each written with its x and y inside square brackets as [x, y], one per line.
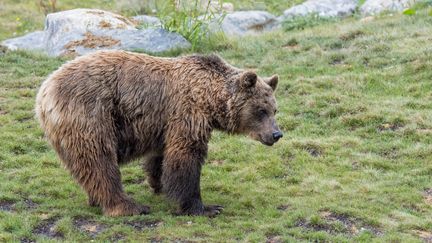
[355, 165]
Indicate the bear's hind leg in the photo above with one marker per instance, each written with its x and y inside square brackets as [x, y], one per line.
[154, 171]
[98, 173]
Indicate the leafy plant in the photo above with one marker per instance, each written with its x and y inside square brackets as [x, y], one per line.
[193, 21]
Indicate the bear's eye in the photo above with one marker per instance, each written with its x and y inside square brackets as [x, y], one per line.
[262, 113]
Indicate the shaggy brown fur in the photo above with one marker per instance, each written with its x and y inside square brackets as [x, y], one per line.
[109, 107]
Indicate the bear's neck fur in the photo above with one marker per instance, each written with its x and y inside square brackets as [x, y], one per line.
[217, 80]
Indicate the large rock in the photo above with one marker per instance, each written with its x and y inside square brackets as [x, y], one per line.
[147, 40]
[146, 20]
[322, 8]
[373, 7]
[79, 31]
[70, 25]
[247, 22]
[31, 41]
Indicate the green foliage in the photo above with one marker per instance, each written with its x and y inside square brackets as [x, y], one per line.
[192, 21]
[409, 11]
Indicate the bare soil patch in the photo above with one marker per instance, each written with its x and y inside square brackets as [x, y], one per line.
[89, 227]
[283, 207]
[48, 228]
[424, 235]
[274, 239]
[142, 224]
[6, 205]
[338, 223]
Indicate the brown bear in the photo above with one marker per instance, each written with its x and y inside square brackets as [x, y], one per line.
[110, 107]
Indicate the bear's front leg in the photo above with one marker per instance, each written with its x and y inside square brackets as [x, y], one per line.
[181, 177]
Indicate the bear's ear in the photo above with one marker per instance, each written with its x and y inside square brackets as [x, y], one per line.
[248, 79]
[272, 81]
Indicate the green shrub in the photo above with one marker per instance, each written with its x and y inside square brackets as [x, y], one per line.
[192, 21]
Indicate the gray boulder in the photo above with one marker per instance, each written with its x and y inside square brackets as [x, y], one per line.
[242, 23]
[65, 27]
[147, 20]
[80, 31]
[31, 41]
[322, 8]
[373, 7]
[147, 40]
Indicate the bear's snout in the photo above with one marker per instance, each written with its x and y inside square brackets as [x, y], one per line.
[277, 135]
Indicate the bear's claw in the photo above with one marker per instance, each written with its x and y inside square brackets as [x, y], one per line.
[127, 209]
[208, 210]
[212, 210]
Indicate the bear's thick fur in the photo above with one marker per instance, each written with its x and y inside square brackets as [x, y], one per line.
[109, 107]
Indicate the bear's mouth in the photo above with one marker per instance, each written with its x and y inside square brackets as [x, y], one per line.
[267, 143]
[259, 138]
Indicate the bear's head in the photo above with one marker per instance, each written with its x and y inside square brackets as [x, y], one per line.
[256, 107]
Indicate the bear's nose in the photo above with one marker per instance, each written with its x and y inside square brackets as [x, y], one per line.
[277, 135]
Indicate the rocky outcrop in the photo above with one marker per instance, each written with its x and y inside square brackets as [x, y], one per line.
[322, 8]
[373, 7]
[79, 31]
[242, 23]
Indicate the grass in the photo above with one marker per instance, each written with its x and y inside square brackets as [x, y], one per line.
[354, 165]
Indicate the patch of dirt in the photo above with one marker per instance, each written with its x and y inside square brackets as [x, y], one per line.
[353, 226]
[24, 119]
[283, 207]
[425, 235]
[390, 126]
[104, 24]
[428, 196]
[27, 240]
[313, 151]
[391, 153]
[141, 224]
[2, 112]
[89, 227]
[351, 35]
[7, 205]
[333, 223]
[117, 237]
[157, 239]
[337, 62]
[90, 41]
[17, 150]
[29, 204]
[48, 228]
[274, 239]
[217, 162]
